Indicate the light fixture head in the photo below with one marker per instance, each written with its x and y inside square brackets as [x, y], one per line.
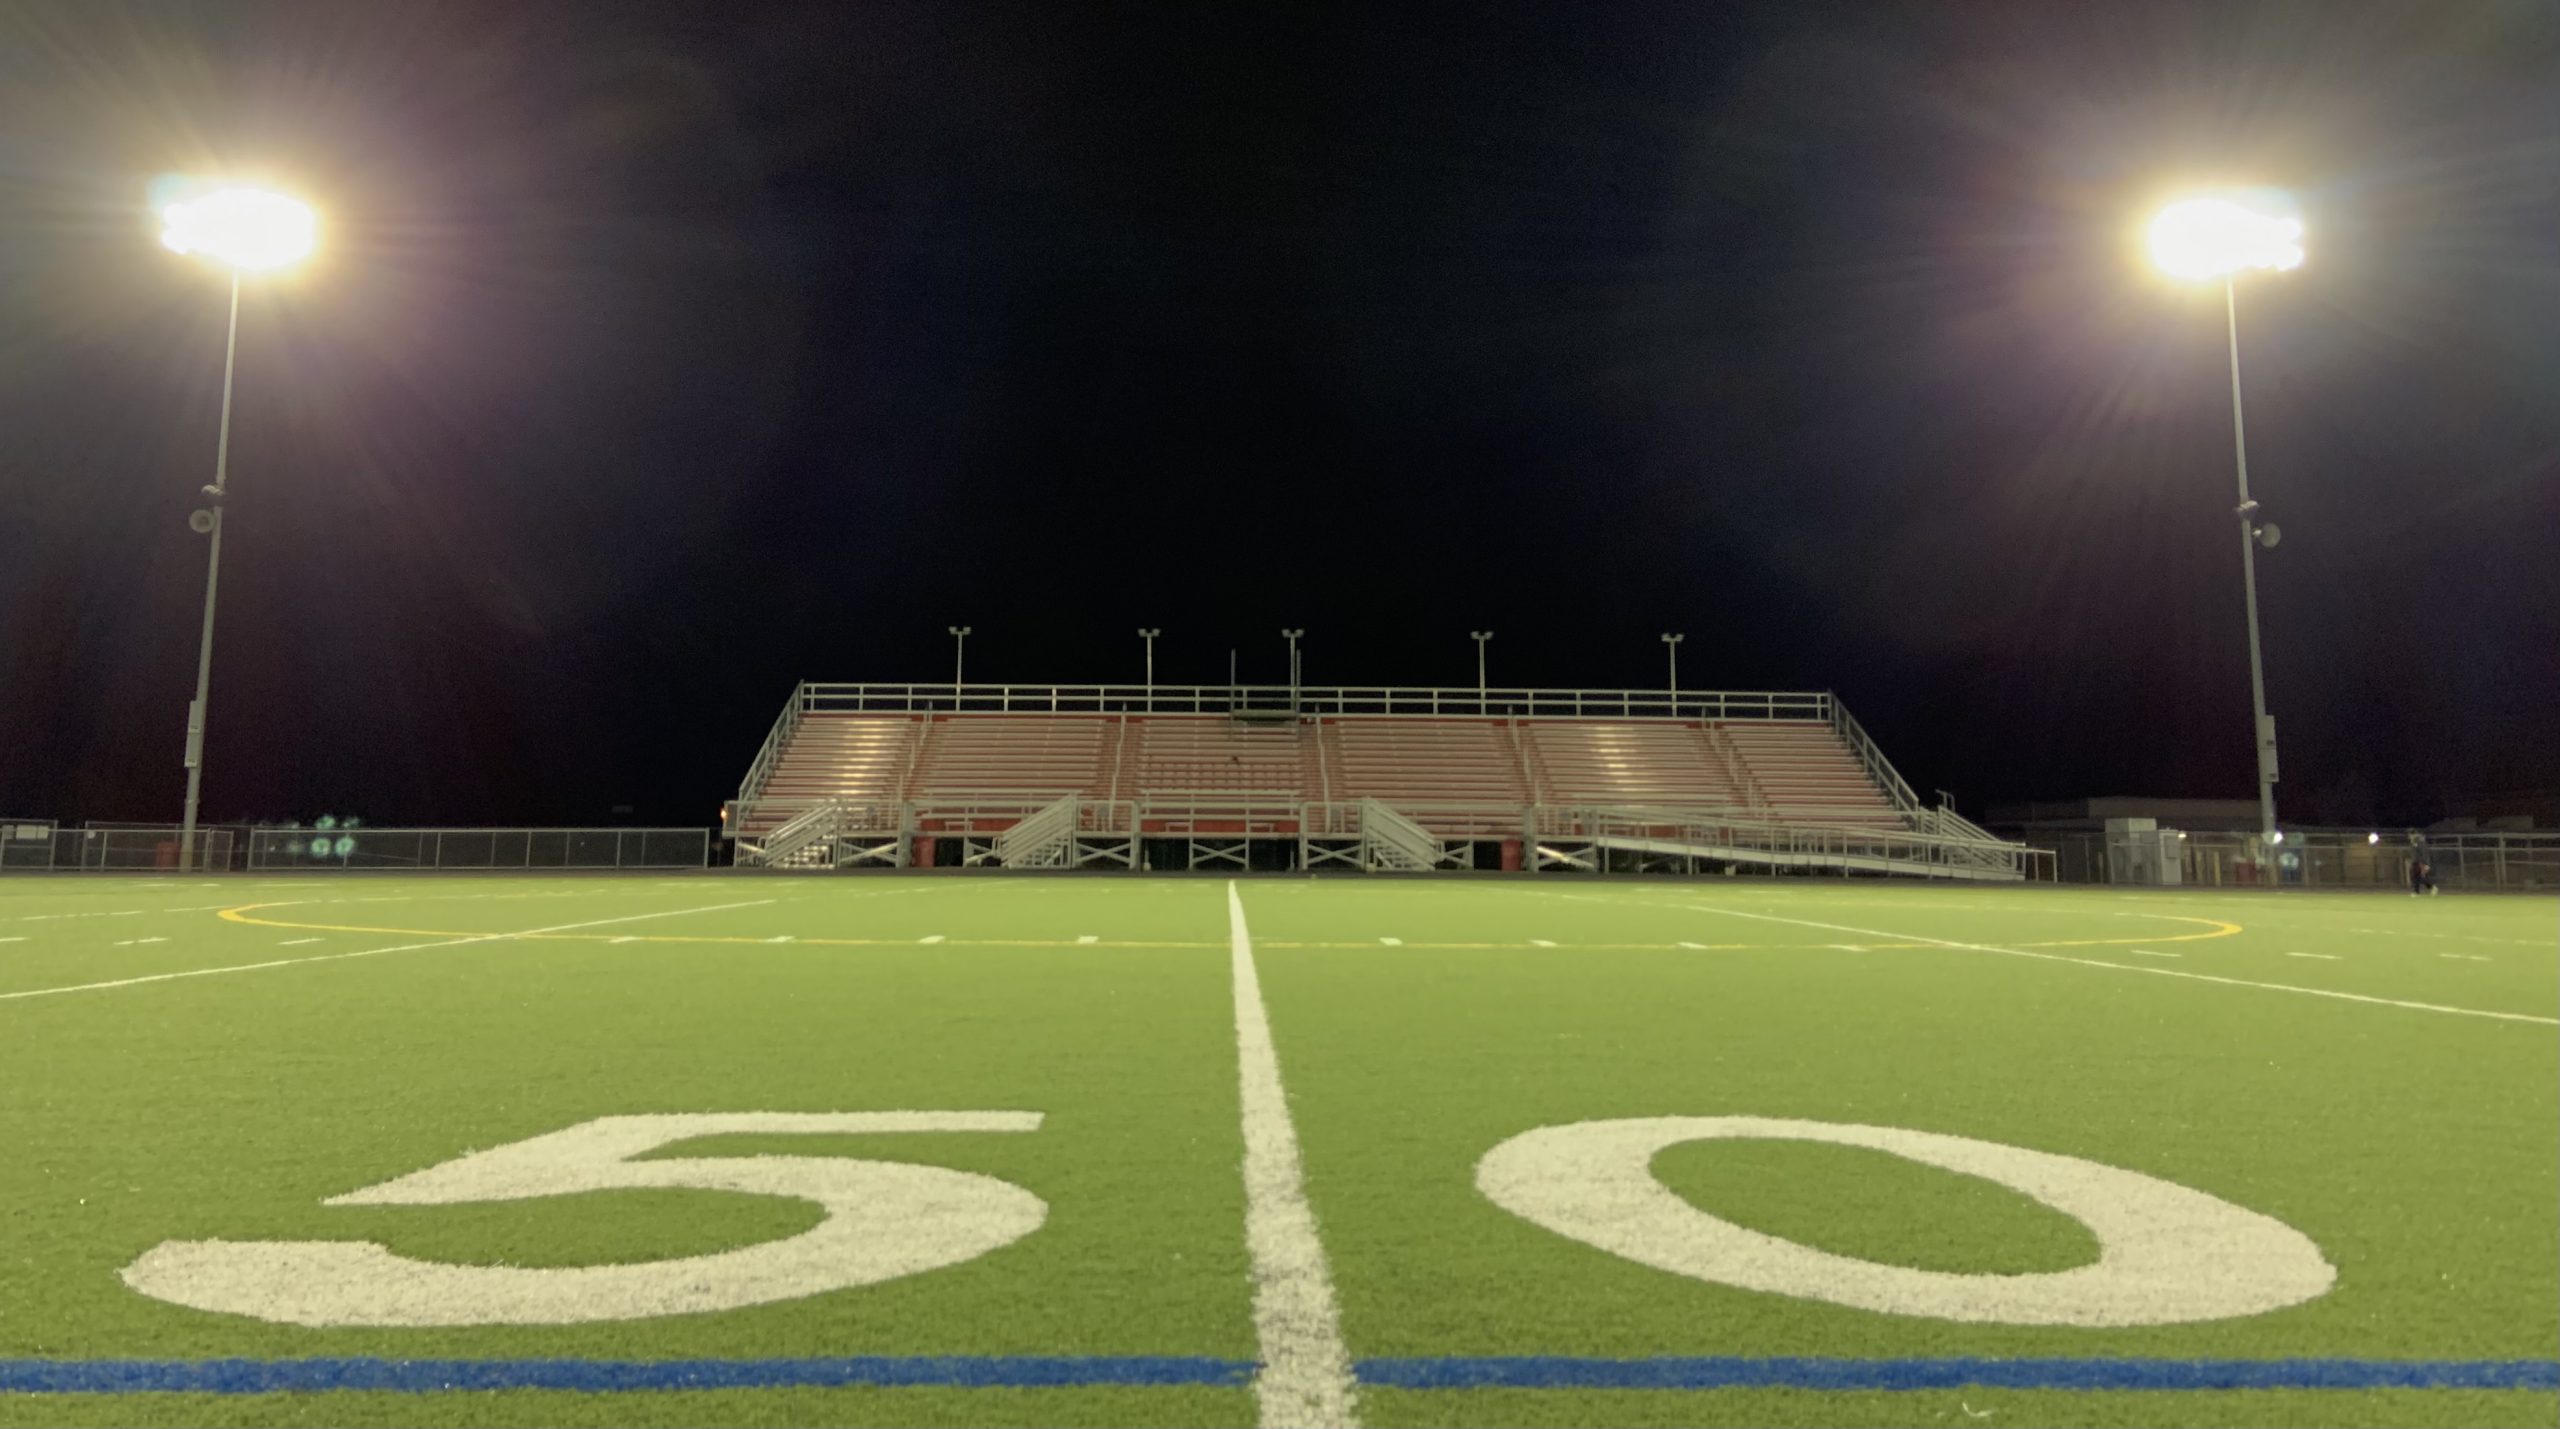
[2218, 235]
[251, 230]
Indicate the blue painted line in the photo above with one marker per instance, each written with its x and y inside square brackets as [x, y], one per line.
[609, 1376]
[245, 1376]
[1557, 1372]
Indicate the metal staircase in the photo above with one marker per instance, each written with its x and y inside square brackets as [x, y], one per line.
[1391, 842]
[1044, 838]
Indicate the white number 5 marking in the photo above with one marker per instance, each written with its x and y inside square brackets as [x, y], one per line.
[884, 1220]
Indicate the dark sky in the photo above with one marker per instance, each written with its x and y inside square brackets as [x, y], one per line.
[664, 355]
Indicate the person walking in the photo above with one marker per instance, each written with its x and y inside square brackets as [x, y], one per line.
[2422, 872]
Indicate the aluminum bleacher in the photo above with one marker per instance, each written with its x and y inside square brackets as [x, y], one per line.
[970, 756]
[1415, 763]
[1767, 780]
[1663, 763]
[1805, 773]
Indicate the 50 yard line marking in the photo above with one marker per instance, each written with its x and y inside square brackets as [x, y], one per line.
[1305, 1377]
[369, 952]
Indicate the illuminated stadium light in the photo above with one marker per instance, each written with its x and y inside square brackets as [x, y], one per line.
[2220, 236]
[253, 230]
[2217, 235]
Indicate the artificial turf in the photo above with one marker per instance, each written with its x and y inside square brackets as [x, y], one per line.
[1419, 1024]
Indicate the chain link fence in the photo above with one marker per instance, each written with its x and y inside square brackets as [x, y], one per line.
[31, 847]
[2332, 859]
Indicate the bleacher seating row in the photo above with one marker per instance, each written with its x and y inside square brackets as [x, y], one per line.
[1791, 771]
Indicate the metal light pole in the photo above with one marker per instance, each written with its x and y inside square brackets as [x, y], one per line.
[1482, 638]
[2251, 534]
[1671, 642]
[1149, 636]
[247, 230]
[212, 523]
[2222, 236]
[959, 653]
[1292, 637]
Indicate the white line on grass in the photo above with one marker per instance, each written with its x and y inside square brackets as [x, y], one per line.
[1089, 938]
[1305, 1377]
[129, 942]
[2464, 957]
[1392, 942]
[930, 938]
[369, 952]
[2324, 957]
[2122, 967]
[2147, 953]
[1540, 943]
[296, 942]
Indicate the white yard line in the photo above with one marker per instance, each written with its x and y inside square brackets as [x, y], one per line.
[2324, 957]
[1305, 1379]
[1392, 942]
[2147, 953]
[129, 942]
[930, 938]
[1089, 937]
[370, 952]
[296, 942]
[2120, 967]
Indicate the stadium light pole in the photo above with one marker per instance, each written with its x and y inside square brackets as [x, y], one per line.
[959, 652]
[2222, 236]
[1671, 641]
[1482, 638]
[1149, 636]
[247, 230]
[1292, 637]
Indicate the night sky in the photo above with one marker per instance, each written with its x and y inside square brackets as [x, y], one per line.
[661, 356]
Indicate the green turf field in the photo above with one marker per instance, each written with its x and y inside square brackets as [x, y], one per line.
[996, 1152]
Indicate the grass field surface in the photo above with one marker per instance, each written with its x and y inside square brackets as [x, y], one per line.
[889, 1149]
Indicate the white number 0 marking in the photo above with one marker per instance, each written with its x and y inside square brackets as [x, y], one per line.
[2166, 1254]
[884, 1220]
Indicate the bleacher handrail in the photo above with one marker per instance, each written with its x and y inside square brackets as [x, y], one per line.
[1312, 701]
[775, 741]
[1871, 758]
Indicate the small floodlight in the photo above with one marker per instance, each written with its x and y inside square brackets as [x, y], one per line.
[2277, 836]
[2217, 236]
[254, 230]
[2373, 838]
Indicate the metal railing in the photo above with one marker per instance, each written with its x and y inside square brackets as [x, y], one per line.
[1311, 700]
[142, 848]
[775, 742]
[1708, 834]
[2328, 858]
[479, 849]
[1871, 759]
[1390, 840]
